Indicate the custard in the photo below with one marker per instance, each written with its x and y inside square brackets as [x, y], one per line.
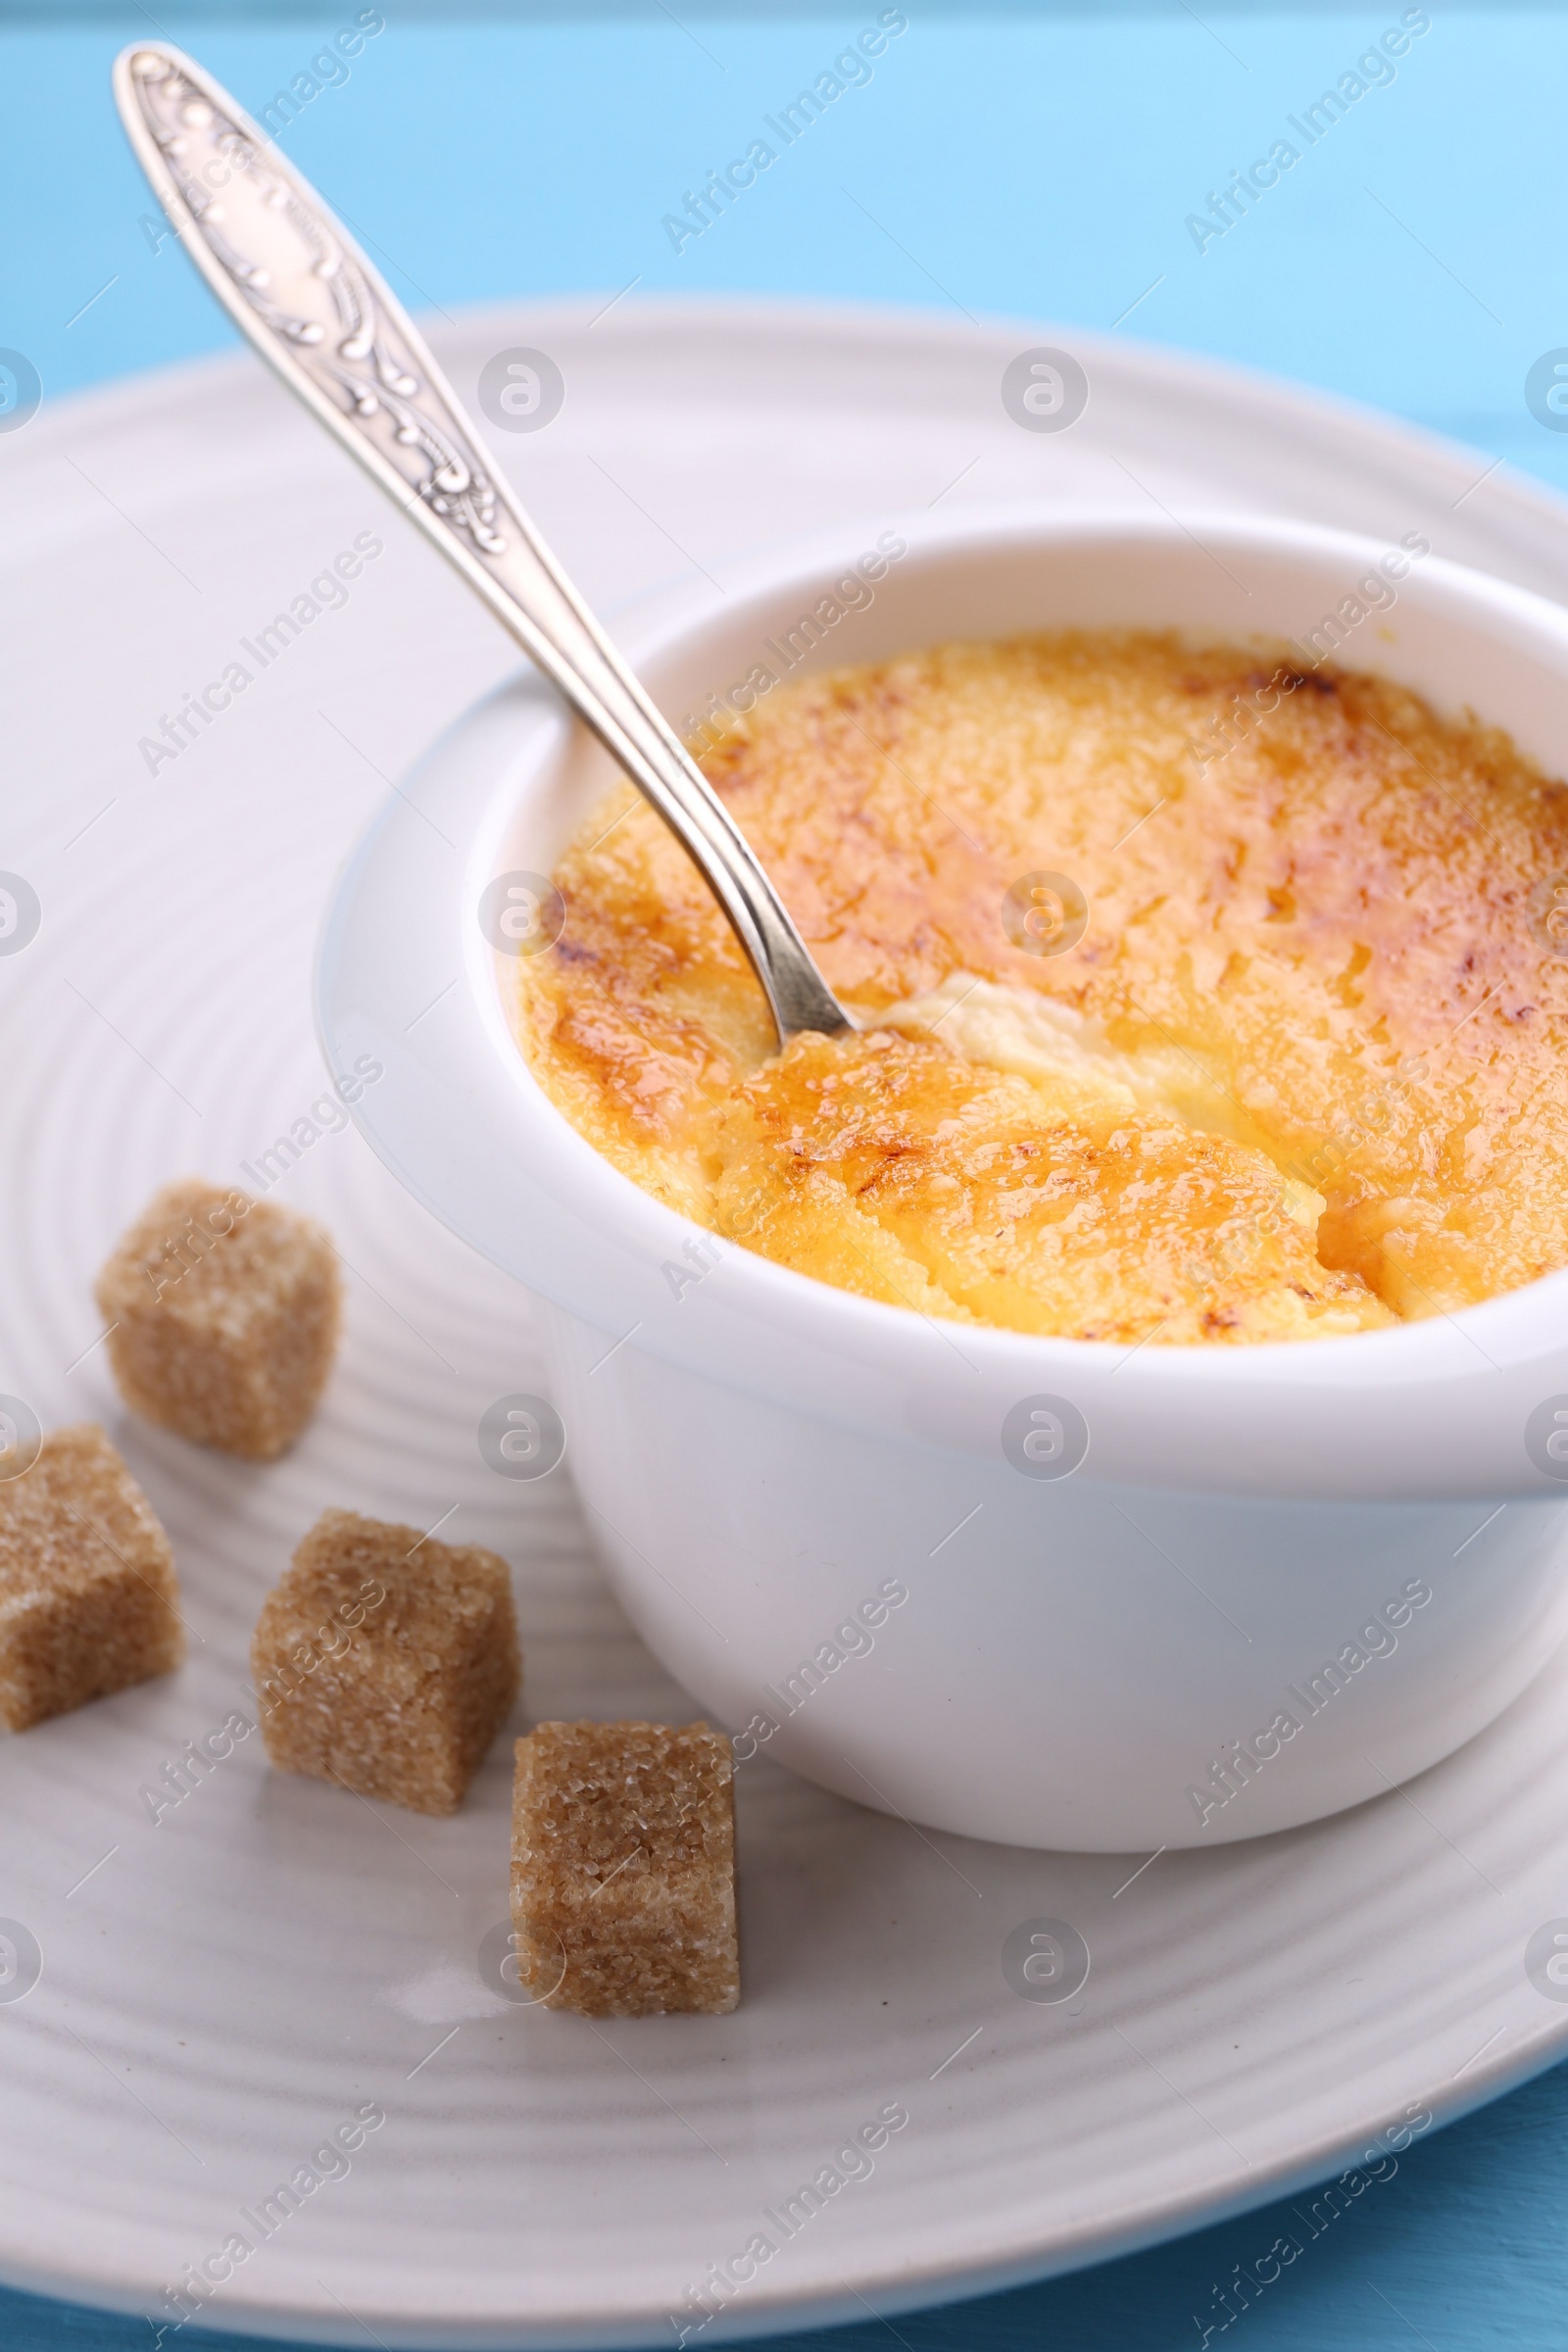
[1275, 1051]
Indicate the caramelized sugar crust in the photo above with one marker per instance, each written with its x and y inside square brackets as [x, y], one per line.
[1313, 1075]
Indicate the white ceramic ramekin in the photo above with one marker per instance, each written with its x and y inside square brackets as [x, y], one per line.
[1282, 1579]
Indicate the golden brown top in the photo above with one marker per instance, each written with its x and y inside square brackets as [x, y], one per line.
[1303, 1071]
[623, 1801]
[77, 1519]
[423, 1604]
[216, 1262]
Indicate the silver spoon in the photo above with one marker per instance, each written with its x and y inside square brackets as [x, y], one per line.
[293, 281]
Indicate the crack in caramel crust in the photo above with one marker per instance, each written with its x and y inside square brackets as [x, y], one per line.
[1332, 945]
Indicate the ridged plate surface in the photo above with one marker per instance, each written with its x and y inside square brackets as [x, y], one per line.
[223, 1986]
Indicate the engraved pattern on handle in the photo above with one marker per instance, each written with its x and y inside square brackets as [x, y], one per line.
[288, 261]
[300, 289]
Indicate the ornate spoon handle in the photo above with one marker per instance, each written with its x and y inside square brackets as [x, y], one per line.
[295, 283]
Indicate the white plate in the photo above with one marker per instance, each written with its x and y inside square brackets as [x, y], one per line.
[220, 1989]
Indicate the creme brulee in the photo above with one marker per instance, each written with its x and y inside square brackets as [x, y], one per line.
[1304, 1071]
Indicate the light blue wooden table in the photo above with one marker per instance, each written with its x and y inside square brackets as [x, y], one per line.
[1036, 163]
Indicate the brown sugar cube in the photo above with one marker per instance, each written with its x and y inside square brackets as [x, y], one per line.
[223, 1316]
[623, 1868]
[89, 1602]
[386, 1661]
